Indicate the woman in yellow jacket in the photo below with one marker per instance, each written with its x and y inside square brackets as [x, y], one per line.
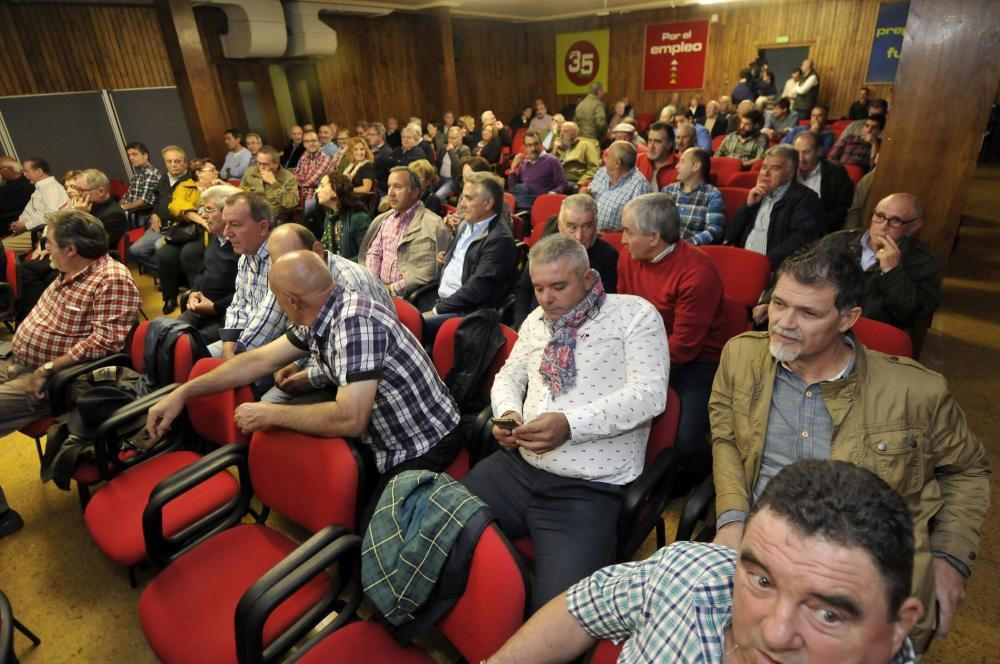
[185, 210]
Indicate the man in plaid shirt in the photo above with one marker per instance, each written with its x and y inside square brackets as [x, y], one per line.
[389, 395]
[85, 314]
[701, 206]
[822, 575]
[859, 150]
[615, 184]
[313, 165]
[747, 143]
[142, 188]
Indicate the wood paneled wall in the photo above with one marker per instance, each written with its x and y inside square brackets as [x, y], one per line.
[69, 48]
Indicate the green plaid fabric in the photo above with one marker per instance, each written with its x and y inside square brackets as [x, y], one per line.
[419, 516]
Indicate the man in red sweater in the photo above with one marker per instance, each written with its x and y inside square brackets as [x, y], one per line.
[684, 285]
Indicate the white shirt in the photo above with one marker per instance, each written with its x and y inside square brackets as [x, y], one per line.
[451, 276]
[622, 366]
[813, 180]
[236, 163]
[757, 239]
[49, 196]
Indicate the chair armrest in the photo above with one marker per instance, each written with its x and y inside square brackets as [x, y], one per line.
[122, 422]
[332, 544]
[695, 509]
[481, 443]
[57, 387]
[163, 550]
[6, 627]
[420, 294]
[644, 500]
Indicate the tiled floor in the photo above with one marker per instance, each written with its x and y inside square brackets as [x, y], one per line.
[84, 610]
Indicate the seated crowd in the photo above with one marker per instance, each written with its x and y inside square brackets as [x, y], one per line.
[291, 264]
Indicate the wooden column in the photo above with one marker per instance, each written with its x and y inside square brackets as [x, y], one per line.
[199, 93]
[446, 47]
[945, 84]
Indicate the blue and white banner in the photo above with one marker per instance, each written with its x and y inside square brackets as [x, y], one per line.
[887, 42]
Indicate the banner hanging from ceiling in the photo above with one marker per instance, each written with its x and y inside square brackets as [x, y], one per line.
[675, 56]
[581, 59]
[887, 42]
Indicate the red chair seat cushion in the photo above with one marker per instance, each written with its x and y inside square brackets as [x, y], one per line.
[459, 468]
[363, 642]
[188, 611]
[525, 546]
[86, 472]
[114, 515]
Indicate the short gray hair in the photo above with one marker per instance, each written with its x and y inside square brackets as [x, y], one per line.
[219, 193]
[557, 247]
[579, 203]
[786, 152]
[655, 214]
[624, 152]
[95, 178]
[412, 131]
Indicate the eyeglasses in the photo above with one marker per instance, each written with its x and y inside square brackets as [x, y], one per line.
[894, 222]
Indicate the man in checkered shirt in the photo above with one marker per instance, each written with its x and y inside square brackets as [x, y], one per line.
[389, 395]
[85, 314]
[822, 575]
[746, 143]
[143, 187]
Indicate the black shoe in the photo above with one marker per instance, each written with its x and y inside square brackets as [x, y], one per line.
[10, 523]
[169, 306]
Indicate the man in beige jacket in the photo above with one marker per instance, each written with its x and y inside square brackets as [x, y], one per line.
[808, 389]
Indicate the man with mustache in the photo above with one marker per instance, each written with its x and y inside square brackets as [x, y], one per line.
[807, 389]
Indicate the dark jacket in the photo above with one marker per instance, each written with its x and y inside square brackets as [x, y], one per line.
[14, 195]
[217, 279]
[720, 126]
[383, 164]
[491, 151]
[394, 139]
[796, 220]
[836, 191]
[903, 296]
[165, 192]
[113, 217]
[603, 258]
[487, 271]
[457, 157]
[402, 157]
[291, 154]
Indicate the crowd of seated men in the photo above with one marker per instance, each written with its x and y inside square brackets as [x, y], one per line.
[287, 262]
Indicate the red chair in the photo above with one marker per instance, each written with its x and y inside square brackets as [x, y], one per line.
[717, 142]
[737, 317]
[188, 611]
[517, 144]
[117, 188]
[724, 167]
[450, 209]
[518, 227]
[487, 614]
[854, 172]
[114, 516]
[734, 198]
[615, 240]
[409, 317]
[234, 182]
[9, 290]
[647, 496]
[744, 179]
[642, 122]
[883, 337]
[544, 207]
[605, 652]
[509, 199]
[756, 166]
[744, 273]
[443, 356]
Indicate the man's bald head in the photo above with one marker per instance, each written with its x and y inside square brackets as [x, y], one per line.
[287, 238]
[301, 282]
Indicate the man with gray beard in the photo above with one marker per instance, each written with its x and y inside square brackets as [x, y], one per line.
[808, 389]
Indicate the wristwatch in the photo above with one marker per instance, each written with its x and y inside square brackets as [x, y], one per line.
[48, 368]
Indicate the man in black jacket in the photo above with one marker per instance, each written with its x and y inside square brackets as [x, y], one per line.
[479, 265]
[577, 219]
[780, 216]
[14, 194]
[828, 179]
[375, 135]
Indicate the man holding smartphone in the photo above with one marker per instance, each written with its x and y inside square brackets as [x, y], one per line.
[577, 394]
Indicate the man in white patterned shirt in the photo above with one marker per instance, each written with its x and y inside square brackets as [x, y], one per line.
[823, 576]
[585, 378]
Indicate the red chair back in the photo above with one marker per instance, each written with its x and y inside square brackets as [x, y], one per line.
[544, 207]
[724, 167]
[737, 317]
[183, 358]
[614, 239]
[510, 201]
[854, 172]
[734, 198]
[642, 122]
[756, 166]
[409, 317]
[11, 276]
[518, 226]
[883, 337]
[211, 415]
[450, 209]
[717, 142]
[744, 273]
[663, 431]
[117, 188]
[312, 481]
[517, 145]
[138, 345]
[492, 607]
[745, 179]
[605, 652]
[444, 350]
[121, 247]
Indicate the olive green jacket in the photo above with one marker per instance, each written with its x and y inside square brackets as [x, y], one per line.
[425, 237]
[892, 416]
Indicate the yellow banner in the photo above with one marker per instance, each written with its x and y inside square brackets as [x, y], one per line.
[581, 59]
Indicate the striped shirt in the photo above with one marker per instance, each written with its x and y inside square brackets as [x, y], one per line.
[86, 315]
[383, 253]
[355, 339]
[143, 185]
[702, 212]
[251, 291]
[611, 198]
[673, 607]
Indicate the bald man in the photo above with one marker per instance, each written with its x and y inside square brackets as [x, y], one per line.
[389, 396]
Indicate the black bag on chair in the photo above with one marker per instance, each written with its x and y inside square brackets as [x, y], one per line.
[183, 232]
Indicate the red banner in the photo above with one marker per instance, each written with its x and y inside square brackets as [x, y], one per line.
[675, 56]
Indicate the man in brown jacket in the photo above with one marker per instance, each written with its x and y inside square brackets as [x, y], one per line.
[808, 389]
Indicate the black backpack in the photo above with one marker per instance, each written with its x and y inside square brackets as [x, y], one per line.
[477, 341]
[158, 351]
